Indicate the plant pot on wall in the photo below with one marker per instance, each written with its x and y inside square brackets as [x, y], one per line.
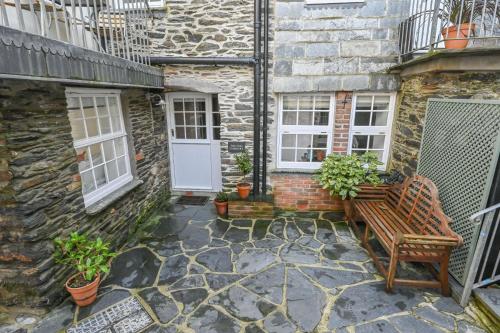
[221, 203]
[243, 190]
[458, 39]
[83, 293]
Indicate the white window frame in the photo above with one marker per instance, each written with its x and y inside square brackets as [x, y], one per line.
[120, 181]
[374, 130]
[301, 129]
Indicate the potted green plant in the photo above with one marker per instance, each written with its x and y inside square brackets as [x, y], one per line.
[89, 258]
[342, 174]
[245, 166]
[220, 202]
[461, 14]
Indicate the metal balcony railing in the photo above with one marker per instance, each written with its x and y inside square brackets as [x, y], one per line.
[116, 27]
[434, 24]
[485, 266]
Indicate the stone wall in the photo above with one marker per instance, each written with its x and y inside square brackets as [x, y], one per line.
[415, 91]
[40, 189]
[346, 46]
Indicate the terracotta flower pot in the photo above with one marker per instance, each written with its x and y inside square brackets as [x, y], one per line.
[347, 203]
[451, 34]
[221, 207]
[85, 295]
[243, 190]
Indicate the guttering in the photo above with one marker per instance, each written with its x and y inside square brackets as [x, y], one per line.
[238, 61]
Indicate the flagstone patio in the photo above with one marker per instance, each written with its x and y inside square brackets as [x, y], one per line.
[188, 271]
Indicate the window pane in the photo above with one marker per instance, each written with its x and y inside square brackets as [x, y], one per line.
[318, 155]
[190, 118]
[320, 141]
[201, 132]
[100, 176]
[92, 129]
[322, 103]
[377, 141]
[190, 132]
[304, 140]
[381, 103]
[305, 118]
[109, 153]
[289, 102]
[201, 119]
[379, 118]
[288, 140]
[362, 119]
[83, 158]
[115, 114]
[179, 118]
[216, 133]
[189, 104]
[178, 106]
[288, 155]
[95, 152]
[73, 103]
[112, 170]
[105, 125]
[200, 105]
[216, 119]
[102, 108]
[306, 103]
[87, 182]
[321, 118]
[119, 147]
[364, 103]
[122, 167]
[360, 141]
[379, 153]
[88, 107]
[78, 129]
[180, 133]
[303, 155]
[358, 152]
[289, 118]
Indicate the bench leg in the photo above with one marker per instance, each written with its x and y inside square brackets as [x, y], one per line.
[391, 272]
[443, 277]
[366, 235]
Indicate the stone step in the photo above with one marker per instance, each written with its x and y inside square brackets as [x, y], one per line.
[489, 303]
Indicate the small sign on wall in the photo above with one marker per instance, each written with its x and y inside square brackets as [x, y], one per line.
[236, 147]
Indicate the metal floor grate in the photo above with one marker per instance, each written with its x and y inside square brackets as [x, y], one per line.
[192, 200]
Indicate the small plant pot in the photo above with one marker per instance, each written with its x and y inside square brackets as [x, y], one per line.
[347, 203]
[455, 39]
[243, 190]
[86, 295]
[221, 207]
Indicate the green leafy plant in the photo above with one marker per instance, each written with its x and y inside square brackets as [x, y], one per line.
[467, 11]
[341, 174]
[84, 255]
[243, 163]
[221, 197]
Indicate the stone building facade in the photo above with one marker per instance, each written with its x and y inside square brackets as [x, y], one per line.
[41, 187]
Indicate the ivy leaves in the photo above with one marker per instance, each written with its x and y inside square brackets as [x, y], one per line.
[341, 174]
[86, 256]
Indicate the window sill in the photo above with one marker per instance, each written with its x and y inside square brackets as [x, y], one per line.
[101, 205]
[297, 171]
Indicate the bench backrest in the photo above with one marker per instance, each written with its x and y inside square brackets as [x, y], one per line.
[417, 202]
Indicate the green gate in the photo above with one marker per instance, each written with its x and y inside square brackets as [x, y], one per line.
[459, 152]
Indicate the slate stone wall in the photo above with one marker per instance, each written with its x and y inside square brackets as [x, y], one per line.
[335, 47]
[415, 91]
[40, 189]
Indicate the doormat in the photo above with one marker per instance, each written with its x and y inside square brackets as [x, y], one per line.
[192, 200]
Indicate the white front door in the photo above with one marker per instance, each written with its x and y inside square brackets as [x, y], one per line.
[194, 154]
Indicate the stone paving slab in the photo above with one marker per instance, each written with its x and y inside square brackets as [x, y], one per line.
[188, 271]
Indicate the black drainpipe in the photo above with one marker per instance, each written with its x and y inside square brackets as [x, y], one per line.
[265, 97]
[256, 101]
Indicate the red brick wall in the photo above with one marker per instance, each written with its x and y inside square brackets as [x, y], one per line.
[300, 192]
[343, 106]
[246, 208]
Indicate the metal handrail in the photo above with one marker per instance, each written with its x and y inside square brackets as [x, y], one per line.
[116, 27]
[435, 24]
[489, 222]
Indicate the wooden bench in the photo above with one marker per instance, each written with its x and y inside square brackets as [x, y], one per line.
[408, 221]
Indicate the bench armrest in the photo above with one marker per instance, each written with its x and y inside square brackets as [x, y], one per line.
[372, 192]
[452, 241]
